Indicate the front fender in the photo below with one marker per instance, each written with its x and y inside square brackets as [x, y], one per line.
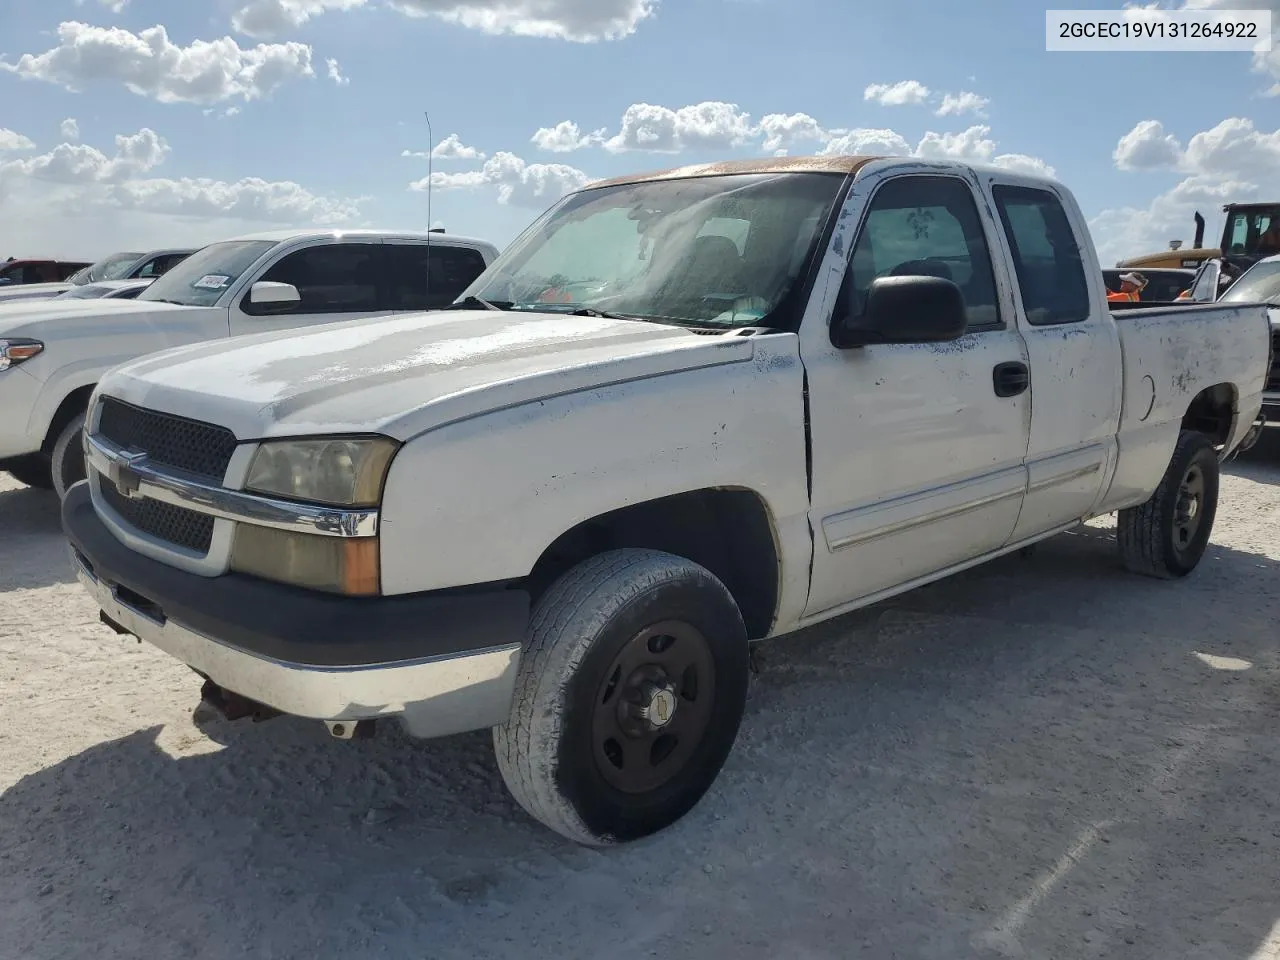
[479, 500]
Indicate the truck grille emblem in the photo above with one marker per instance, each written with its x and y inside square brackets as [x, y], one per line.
[123, 476]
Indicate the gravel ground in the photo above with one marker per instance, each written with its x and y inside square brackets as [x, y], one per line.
[1042, 758]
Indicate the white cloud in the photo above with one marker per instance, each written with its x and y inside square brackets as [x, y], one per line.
[566, 137]
[250, 198]
[14, 142]
[900, 94]
[1147, 147]
[150, 65]
[270, 18]
[783, 130]
[958, 104]
[868, 142]
[450, 148]
[1230, 162]
[335, 72]
[581, 21]
[70, 163]
[1021, 163]
[518, 183]
[711, 125]
[70, 130]
[84, 176]
[1265, 62]
[971, 146]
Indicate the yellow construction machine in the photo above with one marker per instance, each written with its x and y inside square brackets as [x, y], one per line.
[1244, 225]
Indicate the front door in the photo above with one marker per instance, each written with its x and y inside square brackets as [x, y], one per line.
[336, 281]
[918, 450]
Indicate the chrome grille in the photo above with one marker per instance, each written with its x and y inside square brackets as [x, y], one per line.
[200, 448]
[181, 527]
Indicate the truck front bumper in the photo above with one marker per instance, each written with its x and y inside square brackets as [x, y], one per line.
[442, 663]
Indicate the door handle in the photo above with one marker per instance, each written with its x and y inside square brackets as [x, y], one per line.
[1010, 379]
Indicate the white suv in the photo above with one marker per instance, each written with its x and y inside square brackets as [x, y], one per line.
[53, 352]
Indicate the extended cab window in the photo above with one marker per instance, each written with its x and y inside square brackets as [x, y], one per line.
[928, 226]
[330, 278]
[422, 280]
[1046, 255]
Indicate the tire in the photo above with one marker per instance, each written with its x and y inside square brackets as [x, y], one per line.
[1156, 539]
[33, 471]
[576, 682]
[67, 458]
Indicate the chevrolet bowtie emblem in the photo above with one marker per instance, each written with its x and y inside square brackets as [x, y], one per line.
[122, 474]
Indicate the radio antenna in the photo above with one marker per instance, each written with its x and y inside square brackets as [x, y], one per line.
[431, 149]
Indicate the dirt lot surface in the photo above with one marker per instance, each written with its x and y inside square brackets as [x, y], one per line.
[1042, 758]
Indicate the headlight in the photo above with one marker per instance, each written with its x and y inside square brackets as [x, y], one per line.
[334, 471]
[13, 352]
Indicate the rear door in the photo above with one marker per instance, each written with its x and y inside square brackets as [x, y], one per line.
[428, 275]
[336, 280]
[1074, 351]
[917, 461]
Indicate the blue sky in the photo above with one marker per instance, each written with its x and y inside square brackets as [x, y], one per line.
[249, 114]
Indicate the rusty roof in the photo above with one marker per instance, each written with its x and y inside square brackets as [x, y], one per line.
[834, 164]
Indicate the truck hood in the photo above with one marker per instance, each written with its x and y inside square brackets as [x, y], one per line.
[403, 375]
[54, 320]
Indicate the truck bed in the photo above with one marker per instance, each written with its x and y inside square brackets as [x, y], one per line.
[1167, 364]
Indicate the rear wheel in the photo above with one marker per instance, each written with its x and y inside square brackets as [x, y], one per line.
[32, 470]
[1166, 536]
[629, 698]
[67, 459]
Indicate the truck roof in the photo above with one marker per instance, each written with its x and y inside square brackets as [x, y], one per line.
[279, 236]
[846, 164]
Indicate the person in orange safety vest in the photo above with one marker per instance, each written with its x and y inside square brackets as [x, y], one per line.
[1131, 285]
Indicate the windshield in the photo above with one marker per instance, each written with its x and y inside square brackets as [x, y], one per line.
[114, 267]
[704, 251]
[1258, 284]
[203, 277]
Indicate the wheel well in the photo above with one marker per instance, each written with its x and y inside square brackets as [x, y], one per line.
[726, 531]
[1212, 413]
[76, 402]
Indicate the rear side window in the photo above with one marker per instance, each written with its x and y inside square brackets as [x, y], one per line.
[422, 279]
[1046, 255]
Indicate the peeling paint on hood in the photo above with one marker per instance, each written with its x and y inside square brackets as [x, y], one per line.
[406, 374]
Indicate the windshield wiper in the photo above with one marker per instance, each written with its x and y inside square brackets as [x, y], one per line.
[473, 302]
[602, 314]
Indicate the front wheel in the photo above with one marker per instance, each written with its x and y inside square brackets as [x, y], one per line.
[629, 696]
[1166, 536]
[67, 463]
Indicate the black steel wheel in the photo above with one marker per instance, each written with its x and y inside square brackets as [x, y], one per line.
[654, 706]
[629, 697]
[1167, 536]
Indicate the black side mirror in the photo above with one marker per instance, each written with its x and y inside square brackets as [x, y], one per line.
[910, 309]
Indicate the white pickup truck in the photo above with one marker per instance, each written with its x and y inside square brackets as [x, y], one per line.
[53, 351]
[682, 412]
